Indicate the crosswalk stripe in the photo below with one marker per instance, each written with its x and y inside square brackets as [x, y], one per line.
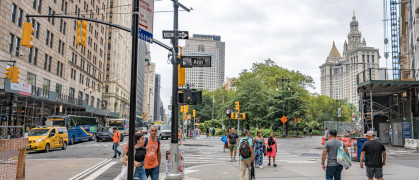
[100, 171]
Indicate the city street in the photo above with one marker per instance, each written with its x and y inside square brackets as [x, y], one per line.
[297, 158]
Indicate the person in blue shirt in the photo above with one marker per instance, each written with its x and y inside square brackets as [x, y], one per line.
[246, 162]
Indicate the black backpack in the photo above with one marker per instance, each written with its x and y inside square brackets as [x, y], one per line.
[245, 148]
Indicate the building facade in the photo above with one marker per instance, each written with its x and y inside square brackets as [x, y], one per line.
[210, 78]
[64, 78]
[157, 99]
[339, 73]
[149, 82]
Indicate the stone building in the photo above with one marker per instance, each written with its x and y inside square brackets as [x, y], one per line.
[339, 73]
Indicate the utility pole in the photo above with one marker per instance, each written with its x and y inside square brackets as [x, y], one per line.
[174, 166]
[284, 134]
[133, 97]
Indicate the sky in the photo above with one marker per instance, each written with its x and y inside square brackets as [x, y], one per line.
[296, 34]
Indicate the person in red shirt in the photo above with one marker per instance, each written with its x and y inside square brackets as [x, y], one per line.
[116, 138]
[153, 157]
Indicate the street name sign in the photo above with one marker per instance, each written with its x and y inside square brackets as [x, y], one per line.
[180, 34]
[146, 12]
[195, 61]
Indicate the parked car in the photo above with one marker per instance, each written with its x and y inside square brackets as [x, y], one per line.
[105, 134]
[165, 131]
[47, 138]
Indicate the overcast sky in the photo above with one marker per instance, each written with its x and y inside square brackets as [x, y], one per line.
[296, 34]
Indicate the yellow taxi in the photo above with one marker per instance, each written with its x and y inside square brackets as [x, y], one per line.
[47, 138]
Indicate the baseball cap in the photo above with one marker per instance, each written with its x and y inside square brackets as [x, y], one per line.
[370, 133]
[333, 132]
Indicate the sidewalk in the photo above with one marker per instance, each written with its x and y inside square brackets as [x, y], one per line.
[295, 171]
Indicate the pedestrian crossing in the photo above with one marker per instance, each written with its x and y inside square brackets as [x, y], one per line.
[94, 144]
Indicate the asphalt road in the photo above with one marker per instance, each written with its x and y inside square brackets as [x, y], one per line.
[93, 160]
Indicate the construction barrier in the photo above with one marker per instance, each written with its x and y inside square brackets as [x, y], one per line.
[347, 141]
[12, 158]
[412, 144]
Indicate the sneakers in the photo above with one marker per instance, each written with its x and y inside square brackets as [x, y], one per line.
[261, 167]
[275, 165]
[231, 160]
[269, 164]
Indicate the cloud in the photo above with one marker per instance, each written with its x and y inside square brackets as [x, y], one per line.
[297, 34]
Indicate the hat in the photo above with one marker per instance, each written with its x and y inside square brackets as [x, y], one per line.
[370, 133]
[333, 132]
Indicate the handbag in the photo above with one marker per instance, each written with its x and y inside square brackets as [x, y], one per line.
[270, 143]
[224, 139]
[343, 158]
[124, 173]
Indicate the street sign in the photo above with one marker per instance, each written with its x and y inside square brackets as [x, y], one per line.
[180, 34]
[145, 30]
[284, 119]
[195, 61]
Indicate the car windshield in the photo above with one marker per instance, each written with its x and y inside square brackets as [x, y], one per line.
[38, 132]
[166, 128]
[105, 129]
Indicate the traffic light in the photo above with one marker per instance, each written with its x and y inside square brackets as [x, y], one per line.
[232, 116]
[243, 116]
[15, 74]
[237, 106]
[186, 109]
[27, 34]
[236, 115]
[78, 32]
[8, 73]
[181, 76]
[182, 109]
[184, 117]
[194, 113]
[83, 33]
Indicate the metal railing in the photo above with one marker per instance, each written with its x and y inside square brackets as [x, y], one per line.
[385, 75]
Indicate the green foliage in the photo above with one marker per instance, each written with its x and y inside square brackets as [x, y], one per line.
[265, 100]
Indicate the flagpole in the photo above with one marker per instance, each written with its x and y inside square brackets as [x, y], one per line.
[213, 105]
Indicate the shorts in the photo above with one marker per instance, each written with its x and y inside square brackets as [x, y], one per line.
[233, 147]
[378, 172]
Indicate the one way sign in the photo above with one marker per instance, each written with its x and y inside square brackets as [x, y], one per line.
[181, 34]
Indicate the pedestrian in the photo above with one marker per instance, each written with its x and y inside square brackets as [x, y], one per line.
[305, 132]
[213, 131]
[208, 130]
[153, 157]
[326, 134]
[271, 149]
[232, 144]
[375, 157]
[246, 154]
[139, 156]
[311, 132]
[179, 136]
[116, 138]
[225, 142]
[259, 149]
[330, 150]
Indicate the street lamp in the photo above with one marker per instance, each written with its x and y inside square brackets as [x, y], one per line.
[283, 100]
[338, 115]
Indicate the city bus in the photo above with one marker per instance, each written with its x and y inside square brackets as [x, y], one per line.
[80, 128]
[121, 124]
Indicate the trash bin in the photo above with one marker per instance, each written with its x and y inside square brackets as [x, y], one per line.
[356, 148]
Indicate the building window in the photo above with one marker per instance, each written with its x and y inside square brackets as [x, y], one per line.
[35, 56]
[86, 98]
[34, 4]
[97, 103]
[11, 40]
[49, 65]
[58, 88]
[80, 95]
[17, 46]
[30, 55]
[13, 13]
[49, 13]
[92, 101]
[19, 17]
[37, 27]
[53, 19]
[201, 48]
[46, 85]
[32, 81]
[52, 40]
[39, 6]
[61, 25]
[47, 38]
[71, 93]
[59, 46]
[64, 27]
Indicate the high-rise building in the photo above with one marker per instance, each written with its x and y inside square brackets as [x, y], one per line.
[64, 78]
[157, 99]
[339, 74]
[149, 85]
[210, 78]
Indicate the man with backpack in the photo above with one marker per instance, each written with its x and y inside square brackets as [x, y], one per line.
[153, 158]
[246, 154]
[116, 139]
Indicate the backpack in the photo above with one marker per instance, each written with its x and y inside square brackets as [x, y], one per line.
[158, 143]
[122, 137]
[245, 148]
[270, 143]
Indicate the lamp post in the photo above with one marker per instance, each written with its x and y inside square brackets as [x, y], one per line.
[283, 101]
[338, 115]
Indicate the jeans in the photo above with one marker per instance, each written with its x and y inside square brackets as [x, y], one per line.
[140, 173]
[333, 171]
[115, 149]
[154, 172]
